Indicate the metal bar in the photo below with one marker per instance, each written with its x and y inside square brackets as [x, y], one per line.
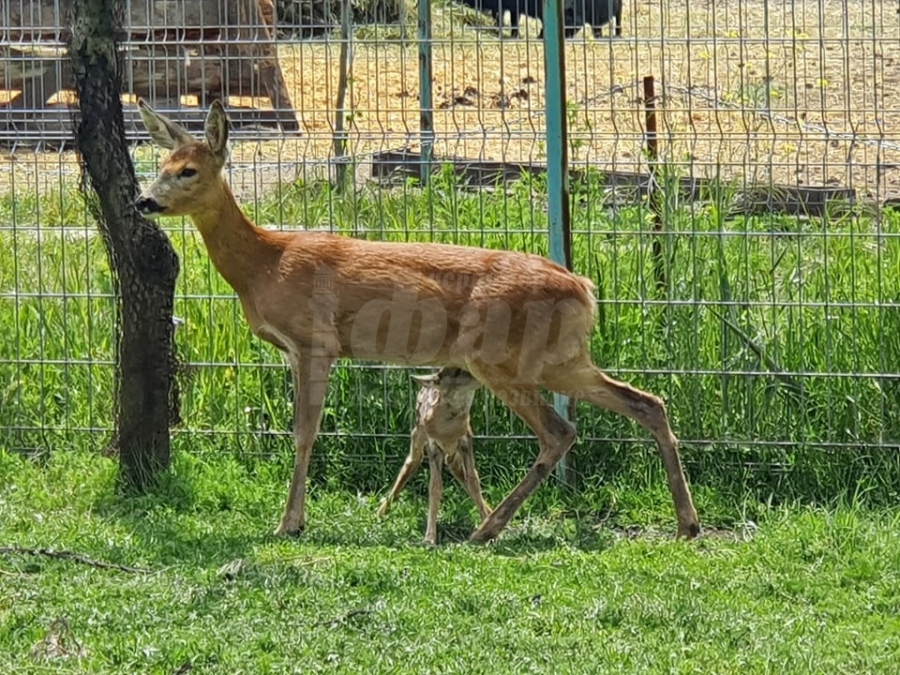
[557, 165]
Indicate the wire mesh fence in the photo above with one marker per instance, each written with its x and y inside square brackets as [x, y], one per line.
[774, 336]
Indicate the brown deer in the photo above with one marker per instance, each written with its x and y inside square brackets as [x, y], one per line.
[518, 322]
[442, 429]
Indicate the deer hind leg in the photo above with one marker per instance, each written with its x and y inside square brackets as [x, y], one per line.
[555, 437]
[590, 384]
[435, 490]
[462, 466]
[310, 371]
[408, 470]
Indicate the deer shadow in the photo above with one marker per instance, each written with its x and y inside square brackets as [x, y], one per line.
[173, 525]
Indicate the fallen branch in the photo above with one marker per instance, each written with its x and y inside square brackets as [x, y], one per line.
[70, 555]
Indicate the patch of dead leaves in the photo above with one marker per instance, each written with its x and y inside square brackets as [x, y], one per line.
[469, 97]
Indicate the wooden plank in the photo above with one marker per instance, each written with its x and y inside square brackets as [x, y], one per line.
[51, 128]
[810, 201]
[157, 71]
[40, 20]
[224, 48]
[41, 86]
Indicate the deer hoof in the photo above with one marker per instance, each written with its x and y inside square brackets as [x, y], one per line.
[689, 531]
[284, 530]
[481, 536]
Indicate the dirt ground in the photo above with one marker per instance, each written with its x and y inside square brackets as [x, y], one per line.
[790, 92]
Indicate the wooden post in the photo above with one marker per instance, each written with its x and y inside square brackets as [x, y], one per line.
[340, 115]
[655, 195]
[426, 104]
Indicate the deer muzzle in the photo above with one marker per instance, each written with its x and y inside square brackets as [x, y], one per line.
[148, 207]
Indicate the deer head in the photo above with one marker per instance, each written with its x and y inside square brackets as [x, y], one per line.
[189, 180]
[449, 379]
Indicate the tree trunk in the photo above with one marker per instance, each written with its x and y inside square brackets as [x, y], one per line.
[141, 257]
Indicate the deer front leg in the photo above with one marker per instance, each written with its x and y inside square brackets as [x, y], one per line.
[309, 370]
[435, 490]
[408, 470]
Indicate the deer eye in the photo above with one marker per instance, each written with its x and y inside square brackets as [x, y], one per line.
[187, 173]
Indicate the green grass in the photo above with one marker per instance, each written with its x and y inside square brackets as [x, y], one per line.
[808, 590]
[768, 343]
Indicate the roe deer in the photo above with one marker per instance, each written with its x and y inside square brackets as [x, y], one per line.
[518, 322]
[442, 429]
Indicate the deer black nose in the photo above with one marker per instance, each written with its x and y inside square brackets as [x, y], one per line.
[148, 206]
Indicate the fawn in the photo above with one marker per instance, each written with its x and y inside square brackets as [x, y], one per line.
[519, 323]
[442, 428]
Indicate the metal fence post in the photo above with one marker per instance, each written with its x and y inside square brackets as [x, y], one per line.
[557, 163]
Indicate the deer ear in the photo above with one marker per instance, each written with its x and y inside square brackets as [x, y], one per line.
[166, 133]
[216, 129]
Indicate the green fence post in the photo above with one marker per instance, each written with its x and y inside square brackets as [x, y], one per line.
[426, 108]
[557, 162]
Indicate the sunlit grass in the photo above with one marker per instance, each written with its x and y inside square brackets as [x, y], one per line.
[800, 591]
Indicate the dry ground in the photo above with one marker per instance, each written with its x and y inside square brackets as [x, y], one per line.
[813, 66]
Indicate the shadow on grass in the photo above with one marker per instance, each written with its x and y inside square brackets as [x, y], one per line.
[583, 532]
[209, 518]
[575, 532]
[169, 525]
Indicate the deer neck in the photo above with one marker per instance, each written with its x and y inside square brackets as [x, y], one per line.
[239, 250]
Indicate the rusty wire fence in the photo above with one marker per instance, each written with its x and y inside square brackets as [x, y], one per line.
[750, 274]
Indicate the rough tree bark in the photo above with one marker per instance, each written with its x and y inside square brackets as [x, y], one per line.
[140, 255]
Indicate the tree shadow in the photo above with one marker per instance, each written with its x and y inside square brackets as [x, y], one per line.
[166, 526]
